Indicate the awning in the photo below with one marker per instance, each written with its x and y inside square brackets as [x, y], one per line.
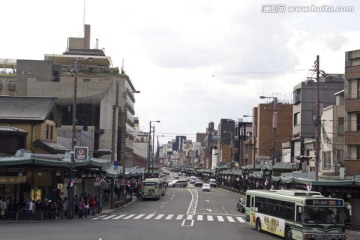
[51, 147]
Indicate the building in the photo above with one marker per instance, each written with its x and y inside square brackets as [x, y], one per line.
[270, 136]
[352, 113]
[226, 141]
[84, 78]
[304, 102]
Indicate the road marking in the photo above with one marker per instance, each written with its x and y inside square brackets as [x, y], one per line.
[179, 217]
[200, 217]
[194, 200]
[170, 216]
[220, 218]
[139, 216]
[120, 216]
[230, 219]
[240, 219]
[191, 223]
[159, 216]
[210, 218]
[149, 216]
[111, 216]
[208, 209]
[189, 217]
[130, 216]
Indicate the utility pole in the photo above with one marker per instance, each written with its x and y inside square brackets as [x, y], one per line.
[317, 119]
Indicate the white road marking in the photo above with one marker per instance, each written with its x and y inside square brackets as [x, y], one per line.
[230, 219]
[130, 216]
[149, 216]
[139, 216]
[220, 218]
[200, 217]
[210, 218]
[189, 217]
[170, 216]
[159, 216]
[108, 217]
[240, 219]
[179, 217]
[120, 216]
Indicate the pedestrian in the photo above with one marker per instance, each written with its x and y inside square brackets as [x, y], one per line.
[31, 208]
[65, 207]
[92, 205]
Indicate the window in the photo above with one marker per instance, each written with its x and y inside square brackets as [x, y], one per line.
[327, 161]
[358, 152]
[358, 122]
[340, 126]
[296, 96]
[358, 88]
[51, 132]
[47, 132]
[296, 119]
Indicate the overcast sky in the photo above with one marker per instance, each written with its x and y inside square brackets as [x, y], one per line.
[194, 61]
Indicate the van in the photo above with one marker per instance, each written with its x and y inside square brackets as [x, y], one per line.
[193, 179]
[178, 183]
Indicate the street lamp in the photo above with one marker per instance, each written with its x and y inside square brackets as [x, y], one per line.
[75, 70]
[149, 145]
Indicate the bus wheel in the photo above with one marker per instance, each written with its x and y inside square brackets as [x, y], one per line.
[288, 234]
[258, 225]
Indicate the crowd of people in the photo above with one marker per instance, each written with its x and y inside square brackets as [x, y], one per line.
[83, 206]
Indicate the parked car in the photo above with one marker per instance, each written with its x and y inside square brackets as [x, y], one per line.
[178, 183]
[206, 187]
[241, 205]
[212, 183]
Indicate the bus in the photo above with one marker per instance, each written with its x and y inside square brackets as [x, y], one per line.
[153, 188]
[296, 214]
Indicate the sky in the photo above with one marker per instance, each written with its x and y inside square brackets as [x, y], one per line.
[194, 61]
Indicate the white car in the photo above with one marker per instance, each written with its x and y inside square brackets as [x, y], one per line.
[206, 187]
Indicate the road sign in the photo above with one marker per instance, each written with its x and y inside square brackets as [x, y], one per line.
[81, 153]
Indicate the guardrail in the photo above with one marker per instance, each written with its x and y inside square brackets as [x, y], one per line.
[26, 216]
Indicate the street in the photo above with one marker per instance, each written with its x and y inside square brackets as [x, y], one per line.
[182, 214]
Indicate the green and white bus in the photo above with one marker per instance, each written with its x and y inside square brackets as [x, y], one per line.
[153, 188]
[296, 214]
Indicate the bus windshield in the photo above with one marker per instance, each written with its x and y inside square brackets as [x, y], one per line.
[323, 215]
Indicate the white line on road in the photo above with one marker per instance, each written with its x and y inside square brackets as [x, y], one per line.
[149, 216]
[210, 218]
[240, 219]
[230, 219]
[139, 216]
[220, 218]
[111, 216]
[170, 216]
[159, 216]
[130, 216]
[120, 216]
[200, 217]
[179, 217]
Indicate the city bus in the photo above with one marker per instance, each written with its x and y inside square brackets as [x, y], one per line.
[296, 214]
[153, 188]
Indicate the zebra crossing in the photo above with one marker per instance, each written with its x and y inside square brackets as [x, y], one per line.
[178, 217]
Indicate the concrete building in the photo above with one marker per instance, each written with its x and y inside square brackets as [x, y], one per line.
[332, 140]
[304, 99]
[269, 140]
[352, 113]
[104, 95]
[211, 148]
[226, 141]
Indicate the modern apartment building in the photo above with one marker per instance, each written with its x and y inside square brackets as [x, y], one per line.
[352, 112]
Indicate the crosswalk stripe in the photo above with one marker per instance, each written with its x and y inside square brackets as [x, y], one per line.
[189, 217]
[170, 216]
[230, 219]
[159, 216]
[139, 216]
[149, 216]
[130, 216]
[240, 219]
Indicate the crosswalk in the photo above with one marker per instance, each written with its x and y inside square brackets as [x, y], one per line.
[176, 217]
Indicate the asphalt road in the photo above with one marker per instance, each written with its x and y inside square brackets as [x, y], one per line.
[182, 214]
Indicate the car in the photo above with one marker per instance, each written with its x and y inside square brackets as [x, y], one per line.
[213, 183]
[206, 187]
[178, 183]
[241, 205]
[198, 183]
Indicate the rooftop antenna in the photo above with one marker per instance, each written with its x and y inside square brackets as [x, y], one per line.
[122, 67]
[84, 16]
